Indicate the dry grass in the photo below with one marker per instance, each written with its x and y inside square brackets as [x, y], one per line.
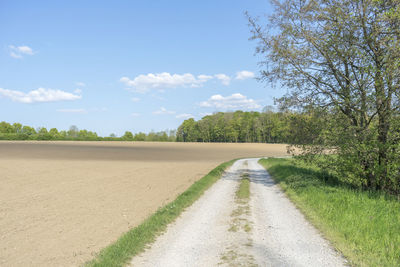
[61, 202]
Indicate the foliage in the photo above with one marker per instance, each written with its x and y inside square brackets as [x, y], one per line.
[240, 126]
[342, 56]
[17, 131]
[363, 225]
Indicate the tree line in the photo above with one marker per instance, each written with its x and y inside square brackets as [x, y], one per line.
[242, 127]
[17, 131]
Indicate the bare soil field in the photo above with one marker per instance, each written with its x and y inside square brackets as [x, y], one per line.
[61, 202]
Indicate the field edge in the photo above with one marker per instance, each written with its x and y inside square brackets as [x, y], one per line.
[140, 237]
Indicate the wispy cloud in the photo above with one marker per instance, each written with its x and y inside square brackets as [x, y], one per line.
[163, 111]
[234, 101]
[82, 110]
[80, 84]
[184, 116]
[135, 114]
[204, 78]
[20, 51]
[39, 95]
[244, 74]
[225, 79]
[73, 110]
[135, 99]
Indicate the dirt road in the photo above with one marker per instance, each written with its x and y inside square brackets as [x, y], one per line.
[218, 230]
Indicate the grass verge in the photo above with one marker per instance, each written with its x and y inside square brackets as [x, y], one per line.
[364, 226]
[137, 239]
[244, 187]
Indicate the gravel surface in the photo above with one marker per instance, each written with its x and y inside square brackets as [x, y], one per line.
[218, 230]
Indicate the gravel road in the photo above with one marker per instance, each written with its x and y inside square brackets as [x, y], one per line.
[219, 230]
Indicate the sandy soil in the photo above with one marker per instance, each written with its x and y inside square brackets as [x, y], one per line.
[218, 230]
[61, 202]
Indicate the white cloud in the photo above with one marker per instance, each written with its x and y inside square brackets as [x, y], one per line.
[14, 55]
[73, 110]
[135, 114]
[232, 102]
[184, 116]
[225, 79]
[25, 50]
[20, 51]
[163, 111]
[77, 91]
[244, 74]
[80, 84]
[144, 83]
[39, 95]
[135, 99]
[204, 78]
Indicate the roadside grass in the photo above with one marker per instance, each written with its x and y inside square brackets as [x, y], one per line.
[242, 197]
[244, 187]
[364, 226]
[137, 239]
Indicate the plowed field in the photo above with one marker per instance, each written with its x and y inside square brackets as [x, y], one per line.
[61, 202]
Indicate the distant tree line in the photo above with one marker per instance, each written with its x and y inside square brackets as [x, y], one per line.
[17, 131]
[241, 127]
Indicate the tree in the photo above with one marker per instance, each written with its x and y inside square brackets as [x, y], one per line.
[188, 131]
[28, 130]
[127, 136]
[73, 131]
[17, 127]
[42, 130]
[54, 133]
[5, 127]
[43, 134]
[342, 56]
[139, 137]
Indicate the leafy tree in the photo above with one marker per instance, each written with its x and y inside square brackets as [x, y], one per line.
[17, 128]
[63, 135]
[28, 130]
[188, 131]
[73, 131]
[42, 130]
[140, 137]
[43, 134]
[54, 133]
[342, 56]
[5, 127]
[128, 136]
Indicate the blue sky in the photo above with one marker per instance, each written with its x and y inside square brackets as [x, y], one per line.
[112, 66]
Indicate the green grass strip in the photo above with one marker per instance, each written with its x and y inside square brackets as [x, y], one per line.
[135, 241]
[364, 226]
[243, 191]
